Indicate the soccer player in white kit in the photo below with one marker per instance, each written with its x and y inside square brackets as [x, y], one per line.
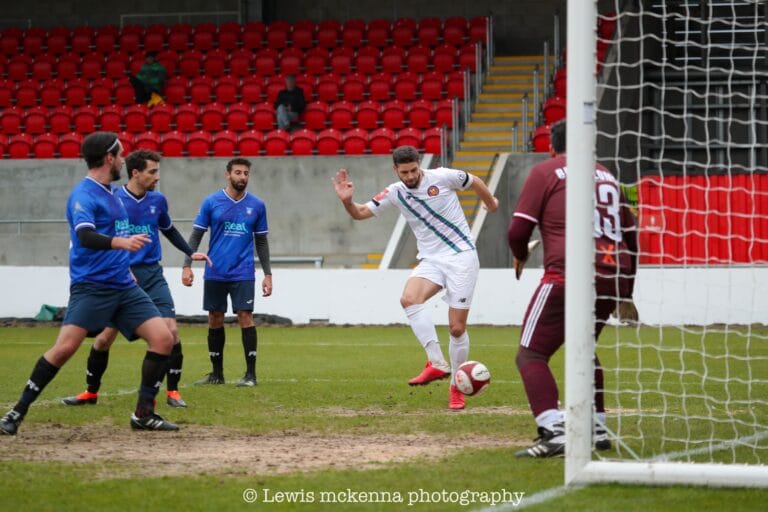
[447, 255]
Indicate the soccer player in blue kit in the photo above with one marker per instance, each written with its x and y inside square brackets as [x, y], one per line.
[238, 222]
[148, 214]
[102, 290]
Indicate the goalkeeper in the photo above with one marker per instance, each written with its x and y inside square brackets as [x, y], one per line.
[542, 203]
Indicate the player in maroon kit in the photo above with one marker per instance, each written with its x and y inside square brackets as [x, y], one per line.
[542, 203]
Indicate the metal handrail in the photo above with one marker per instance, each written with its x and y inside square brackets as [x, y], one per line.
[557, 40]
[536, 97]
[525, 121]
[547, 78]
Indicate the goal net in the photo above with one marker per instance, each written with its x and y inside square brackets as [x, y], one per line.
[677, 109]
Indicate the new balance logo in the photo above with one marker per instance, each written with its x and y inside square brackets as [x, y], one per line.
[158, 384]
[252, 353]
[34, 387]
[463, 300]
[174, 372]
[214, 354]
[249, 301]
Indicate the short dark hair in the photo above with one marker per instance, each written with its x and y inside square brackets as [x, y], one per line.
[96, 146]
[238, 161]
[557, 136]
[137, 161]
[405, 155]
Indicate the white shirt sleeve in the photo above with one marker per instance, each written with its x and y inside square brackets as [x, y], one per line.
[382, 201]
[455, 179]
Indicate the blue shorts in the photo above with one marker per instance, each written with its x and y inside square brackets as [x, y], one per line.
[241, 292]
[95, 307]
[152, 281]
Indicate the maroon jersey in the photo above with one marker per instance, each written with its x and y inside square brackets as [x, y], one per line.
[542, 201]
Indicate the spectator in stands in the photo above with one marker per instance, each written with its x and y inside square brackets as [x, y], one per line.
[289, 104]
[150, 81]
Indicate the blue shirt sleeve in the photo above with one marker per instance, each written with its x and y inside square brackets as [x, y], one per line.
[83, 212]
[164, 219]
[261, 228]
[203, 219]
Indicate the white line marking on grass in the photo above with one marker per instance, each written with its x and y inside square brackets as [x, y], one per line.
[725, 445]
[528, 501]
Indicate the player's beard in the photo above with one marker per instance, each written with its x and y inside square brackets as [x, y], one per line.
[114, 171]
[239, 185]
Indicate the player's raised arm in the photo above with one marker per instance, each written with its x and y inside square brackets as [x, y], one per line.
[345, 189]
[485, 195]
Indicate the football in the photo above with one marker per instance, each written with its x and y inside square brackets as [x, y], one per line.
[472, 378]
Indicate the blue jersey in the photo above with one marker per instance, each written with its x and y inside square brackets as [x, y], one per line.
[232, 224]
[94, 205]
[147, 215]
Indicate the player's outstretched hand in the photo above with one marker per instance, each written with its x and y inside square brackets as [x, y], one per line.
[133, 243]
[187, 276]
[200, 256]
[344, 187]
[266, 286]
[492, 208]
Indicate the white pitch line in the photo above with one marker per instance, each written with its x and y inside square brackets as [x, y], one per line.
[528, 501]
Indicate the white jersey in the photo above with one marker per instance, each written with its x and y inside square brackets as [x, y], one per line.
[432, 210]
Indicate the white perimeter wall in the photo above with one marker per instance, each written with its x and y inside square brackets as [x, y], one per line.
[663, 296]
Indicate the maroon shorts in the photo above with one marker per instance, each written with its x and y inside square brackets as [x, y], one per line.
[544, 322]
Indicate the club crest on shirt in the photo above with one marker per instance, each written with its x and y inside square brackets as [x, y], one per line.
[248, 210]
[432, 191]
[152, 210]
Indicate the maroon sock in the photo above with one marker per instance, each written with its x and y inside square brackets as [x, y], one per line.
[540, 386]
[599, 387]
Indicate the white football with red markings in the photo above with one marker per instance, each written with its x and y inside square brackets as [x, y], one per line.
[472, 378]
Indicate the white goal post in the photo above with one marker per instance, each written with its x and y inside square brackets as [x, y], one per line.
[653, 465]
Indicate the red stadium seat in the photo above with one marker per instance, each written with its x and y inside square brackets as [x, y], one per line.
[428, 31]
[367, 60]
[341, 60]
[408, 137]
[69, 145]
[160, 118]
[215, 63]
[251, 89]
[135, 118]
[316, 115]
[275, 84]
[263, 117]
[201, 90]
[84, 119]
[353, 87]
[240, 62]
[186, 118]
[124, 92]
[377, 32]
[303, 34]
[380, 87]
[265, 62]
[116, 65]
[20, 146]
[554, 109]
[10, 120]
[171, 143]
[328, 34]
[67, 66]
[278, 33]
[10, 40]
[237, 117]
[27, 93]
[101, 92]
[169, 59]
[130, 38]
[432, 86]
[202, 40]
[392, 59]
[225, 90]
[541, 139]
[228, 36]
[406, 86]
[431, 141]
[352, 33]
[45, 145]
[276, 142]
[147, 140]
[291, 61]
[443, 113]
[254, 35]
[368, 114]
[418, 58]
[307, 84]
[455, 31]
[199, 143]
[176, 90]
[190, 63]
[316, 61]
[355, 141]
[51, 93]
[224, 143]
[33, 41]
[560, 82]
[404, 32]
[455, 85]
[212, 117]
[341, 114]
[382, 141]
[303, 142]
[478, 30]
[91, 66]
[328, 88]
[111, 118]
[18, 67]
[420, 114]
[393, 114]
[329, 142]
[35, 119]
[76, 92]
[82, 39]
[42, 67]
[154, 38]
[444, 58]
[105, 38]
[178, 39]
[467, 58]
[249, 143]
[60, 119]
[7, 92]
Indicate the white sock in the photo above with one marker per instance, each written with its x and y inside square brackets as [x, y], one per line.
[600, 420]
[458, 349]
[424, 330]
[549, 418]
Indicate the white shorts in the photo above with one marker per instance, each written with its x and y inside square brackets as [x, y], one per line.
[457, 273]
